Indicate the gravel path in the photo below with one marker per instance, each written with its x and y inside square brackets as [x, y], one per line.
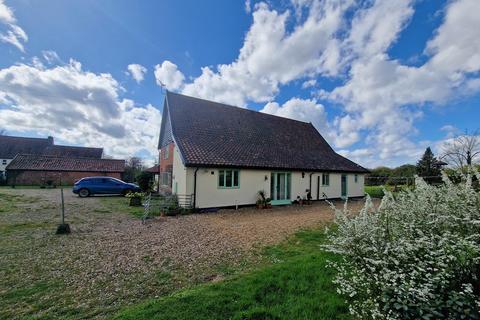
[112, 259]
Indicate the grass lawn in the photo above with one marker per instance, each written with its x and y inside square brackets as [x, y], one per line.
[294, 283]
[209, 266]
[377, 191]
[374, 191]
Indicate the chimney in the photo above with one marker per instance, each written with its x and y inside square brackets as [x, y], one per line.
[50, 140]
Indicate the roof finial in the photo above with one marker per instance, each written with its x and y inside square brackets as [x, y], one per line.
[163, 86]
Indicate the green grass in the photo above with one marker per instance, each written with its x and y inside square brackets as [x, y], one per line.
[377, 191]
[374, 191]
[9, 202]
[116, 204]
[32, 296]
[295, 284]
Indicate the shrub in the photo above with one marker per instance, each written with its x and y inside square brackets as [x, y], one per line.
[416, 256]
[145, 181]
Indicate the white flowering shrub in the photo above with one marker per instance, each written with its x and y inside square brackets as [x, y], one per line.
[415, 256]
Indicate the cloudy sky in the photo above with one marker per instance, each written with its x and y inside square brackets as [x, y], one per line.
[381, 80]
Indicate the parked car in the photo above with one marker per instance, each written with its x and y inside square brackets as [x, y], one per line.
[103, 185]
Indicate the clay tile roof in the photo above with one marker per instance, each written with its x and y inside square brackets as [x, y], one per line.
[153, 169]
[50, 163]
[11, 146]
[73, 152]
[215, 134]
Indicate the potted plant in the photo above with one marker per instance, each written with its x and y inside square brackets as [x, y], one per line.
[268, 203]
[135, 198]
[263, 202]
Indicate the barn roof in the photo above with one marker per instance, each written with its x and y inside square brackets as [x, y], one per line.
[212, 134]
[73, 152]
[29, 162]
[10, 146]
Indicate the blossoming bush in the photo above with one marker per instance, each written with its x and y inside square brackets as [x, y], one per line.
[416, 256]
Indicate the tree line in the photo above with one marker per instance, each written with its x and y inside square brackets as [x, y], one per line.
[458, 154]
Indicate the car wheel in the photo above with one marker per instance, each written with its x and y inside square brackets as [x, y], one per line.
[83, 193]
[127, 191]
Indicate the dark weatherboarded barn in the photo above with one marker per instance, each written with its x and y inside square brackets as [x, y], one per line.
[41, 169]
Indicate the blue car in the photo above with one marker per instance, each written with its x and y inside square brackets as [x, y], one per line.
[103, 185]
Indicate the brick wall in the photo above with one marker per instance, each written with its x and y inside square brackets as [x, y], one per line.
[57, 177]
[166, 165]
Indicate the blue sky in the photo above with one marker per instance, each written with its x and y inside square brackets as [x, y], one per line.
[381, 80]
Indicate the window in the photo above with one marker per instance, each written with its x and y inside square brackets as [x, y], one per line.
[165, 179]
[228, 179]
[325, 179]
[4, 161]
[356, 178]
[166, 152]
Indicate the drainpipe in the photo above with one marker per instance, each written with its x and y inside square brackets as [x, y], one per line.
[310, 187]
[195, 188]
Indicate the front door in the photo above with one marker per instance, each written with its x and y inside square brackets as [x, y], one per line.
[280, 188]
[344, 186]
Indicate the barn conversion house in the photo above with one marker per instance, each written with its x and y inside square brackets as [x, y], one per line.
[223, 155]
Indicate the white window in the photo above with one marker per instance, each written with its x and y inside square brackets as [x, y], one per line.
[356, 178]
[325, 179]
[4, 161]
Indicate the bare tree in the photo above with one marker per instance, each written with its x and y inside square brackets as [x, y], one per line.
[133, 167]
[463, 150]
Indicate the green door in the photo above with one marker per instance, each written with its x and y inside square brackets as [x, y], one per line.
[344, 186]
[280, 185]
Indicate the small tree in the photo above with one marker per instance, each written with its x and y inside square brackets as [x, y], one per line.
[133, 168]
[428, 165]
[406, 170]
[145, 181]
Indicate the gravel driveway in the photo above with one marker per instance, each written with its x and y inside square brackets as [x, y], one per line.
[112, 259]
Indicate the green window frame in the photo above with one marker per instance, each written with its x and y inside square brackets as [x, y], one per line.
[228, 179]
[325, 179]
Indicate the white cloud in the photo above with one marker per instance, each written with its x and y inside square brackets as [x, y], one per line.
[380, 99]
[51, 57]
[6, 14]
[309, 83]
[375, 28]
[384, 97]
[450, 130]
[77, 107]
[168, 75]
[137, 72]
[248, 6]
[14, 34]
[272, 56]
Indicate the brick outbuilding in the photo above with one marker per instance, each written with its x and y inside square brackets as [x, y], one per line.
[27, 169]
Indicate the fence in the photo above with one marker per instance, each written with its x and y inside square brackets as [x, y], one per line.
[156, 204]
[399, 181]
